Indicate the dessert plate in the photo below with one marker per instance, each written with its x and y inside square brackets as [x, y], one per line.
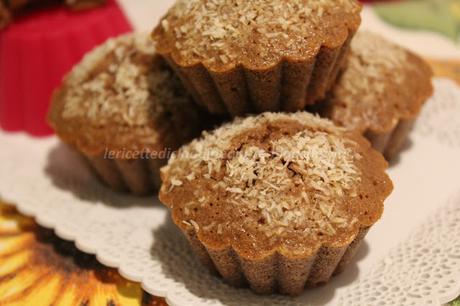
[409, 258]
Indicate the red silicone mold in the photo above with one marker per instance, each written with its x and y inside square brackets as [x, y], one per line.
[38, 49]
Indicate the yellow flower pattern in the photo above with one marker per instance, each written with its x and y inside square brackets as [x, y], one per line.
[39, 269]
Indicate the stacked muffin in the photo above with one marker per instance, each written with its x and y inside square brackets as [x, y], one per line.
[380, 93]
[253, 56]
[125, 111]
[276, 201]
[283, 201]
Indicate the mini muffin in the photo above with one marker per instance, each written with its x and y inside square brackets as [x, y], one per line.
[380, 93]
[125, 111]
[277, 201]
[239, 56]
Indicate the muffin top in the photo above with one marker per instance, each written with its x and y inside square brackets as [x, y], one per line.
[276, 182]
[256, 34]
[118, 96]
[381, 84]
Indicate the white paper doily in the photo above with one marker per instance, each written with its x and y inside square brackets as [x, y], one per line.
[432, 265]
[51, 183]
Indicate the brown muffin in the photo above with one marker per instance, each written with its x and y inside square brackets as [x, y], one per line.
[125, 111]
[381, 92]
[277, 201]
[239, 56]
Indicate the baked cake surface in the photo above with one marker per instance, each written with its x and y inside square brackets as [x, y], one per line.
[381, 84]
[256, 34]
[121, 96]
[272, 189]
[239, 57]
[125, 111]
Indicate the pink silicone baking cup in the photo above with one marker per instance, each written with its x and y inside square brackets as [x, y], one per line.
[37, 50]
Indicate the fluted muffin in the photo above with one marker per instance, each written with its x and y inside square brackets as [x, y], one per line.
[239, 56]
[125, 111]
[276, 201]
[381, 92]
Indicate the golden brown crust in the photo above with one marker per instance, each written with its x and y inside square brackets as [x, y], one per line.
[231, 229]
[122, 97]
[275, 63]
[223, 34]
[94, 140]
[222, 162]
[126, 112]
[382, 87]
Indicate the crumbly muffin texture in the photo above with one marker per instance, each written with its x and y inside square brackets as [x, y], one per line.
[119, 96]
[254, 33]
[284, 182]
[381, 84]
[112, 83]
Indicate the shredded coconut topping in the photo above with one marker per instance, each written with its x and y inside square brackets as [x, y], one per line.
[289, 183]
[375, 66]
[372, 57]
[215, 31]
[116, 83]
